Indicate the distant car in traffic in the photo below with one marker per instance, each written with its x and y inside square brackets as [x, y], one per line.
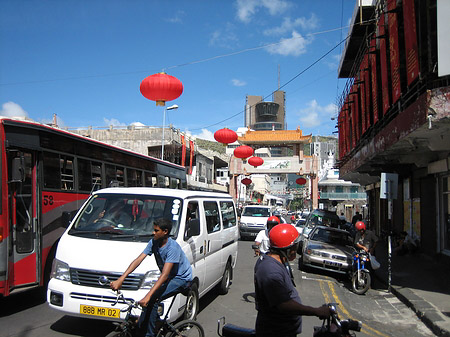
[320, 217]
[299, 225]
[327, 248]
[253, 219]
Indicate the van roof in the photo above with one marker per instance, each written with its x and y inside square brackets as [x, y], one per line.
[184, 194]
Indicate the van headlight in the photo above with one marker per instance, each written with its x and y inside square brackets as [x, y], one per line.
[60, 270]
[150, 279]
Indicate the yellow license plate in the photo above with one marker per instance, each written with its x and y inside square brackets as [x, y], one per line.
[99, 311]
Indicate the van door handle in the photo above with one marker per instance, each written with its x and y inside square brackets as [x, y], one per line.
[201, 250]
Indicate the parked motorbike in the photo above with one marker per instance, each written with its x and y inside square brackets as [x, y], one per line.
[360, 275]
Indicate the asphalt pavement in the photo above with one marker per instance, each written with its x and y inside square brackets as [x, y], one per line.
[421, 282]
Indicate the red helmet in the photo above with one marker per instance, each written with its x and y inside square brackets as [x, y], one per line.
[273, 220]
[360, 225]
[283, 236]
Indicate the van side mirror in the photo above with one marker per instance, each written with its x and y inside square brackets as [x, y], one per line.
[18, 170]
[193, 228]
[66, 217]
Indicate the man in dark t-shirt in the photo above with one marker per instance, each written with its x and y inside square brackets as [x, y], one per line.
[277, 301]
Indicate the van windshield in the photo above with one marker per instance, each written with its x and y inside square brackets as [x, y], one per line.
[126, 217]
[256, 211]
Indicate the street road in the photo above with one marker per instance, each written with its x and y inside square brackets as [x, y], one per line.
[28, 315]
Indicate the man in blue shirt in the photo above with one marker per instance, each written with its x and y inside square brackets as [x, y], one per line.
[279, 306]
[176, 273]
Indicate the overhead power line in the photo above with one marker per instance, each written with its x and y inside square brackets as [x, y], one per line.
[70, 78]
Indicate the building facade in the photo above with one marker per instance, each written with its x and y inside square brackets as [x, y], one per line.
[395, 116]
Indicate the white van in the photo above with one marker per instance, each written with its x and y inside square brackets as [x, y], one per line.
[113, 227]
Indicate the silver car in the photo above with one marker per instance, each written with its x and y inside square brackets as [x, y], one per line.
[327, 248]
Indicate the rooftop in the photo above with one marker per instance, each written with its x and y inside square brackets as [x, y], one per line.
[274, 137]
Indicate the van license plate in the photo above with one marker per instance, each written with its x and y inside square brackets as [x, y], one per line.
[99, 311]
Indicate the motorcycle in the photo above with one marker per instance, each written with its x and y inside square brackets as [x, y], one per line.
[360, 275]
[331, 327]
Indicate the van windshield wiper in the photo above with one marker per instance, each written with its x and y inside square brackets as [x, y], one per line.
[135, 235]
[107, 231]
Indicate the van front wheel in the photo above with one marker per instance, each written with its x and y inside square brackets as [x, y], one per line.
[224, 285]
[192, 303]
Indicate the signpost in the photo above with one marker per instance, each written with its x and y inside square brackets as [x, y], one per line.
[388, 190]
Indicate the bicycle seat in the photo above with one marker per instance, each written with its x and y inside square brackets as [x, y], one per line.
[231, 330]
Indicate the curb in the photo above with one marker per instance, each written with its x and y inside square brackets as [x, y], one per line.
[425, 311]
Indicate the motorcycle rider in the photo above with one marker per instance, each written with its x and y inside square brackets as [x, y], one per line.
[278, 303]
[278, 215]
[262, 242]
[365, 239]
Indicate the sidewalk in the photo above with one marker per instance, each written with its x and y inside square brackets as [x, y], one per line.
[421, 282]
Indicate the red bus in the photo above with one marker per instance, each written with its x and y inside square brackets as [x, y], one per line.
[46, 174]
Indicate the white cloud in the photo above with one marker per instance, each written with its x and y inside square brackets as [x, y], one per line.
[296, 45]
[288, 25]
[315, 114]
[247, 8]
[224, 38]
[11, 109]
[238, 83]
[333, 61]
[176, 17]
[113, 122]
[205, 134]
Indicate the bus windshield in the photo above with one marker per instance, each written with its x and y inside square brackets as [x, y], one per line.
[125, 217]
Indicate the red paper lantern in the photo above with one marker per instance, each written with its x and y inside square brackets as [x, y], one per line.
[161, 88]
[256, 161]
[225, 136]
[243, 151]
[301, 181]
[246, 181]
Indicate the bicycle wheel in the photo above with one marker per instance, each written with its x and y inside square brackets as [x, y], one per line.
[187, 328]
[119, 334]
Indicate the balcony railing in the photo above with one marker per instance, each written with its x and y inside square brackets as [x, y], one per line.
[342, 195]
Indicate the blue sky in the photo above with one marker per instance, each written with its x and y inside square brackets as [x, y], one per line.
[84, 60]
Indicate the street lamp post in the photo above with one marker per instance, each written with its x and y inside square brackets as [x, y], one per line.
[173, 107]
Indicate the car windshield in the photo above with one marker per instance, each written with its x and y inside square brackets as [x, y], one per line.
[319, 219]
[256, 211]
[332, 237]
[125, 217]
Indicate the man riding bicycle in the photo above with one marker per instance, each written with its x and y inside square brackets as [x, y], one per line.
[279, 306]
[176, 273]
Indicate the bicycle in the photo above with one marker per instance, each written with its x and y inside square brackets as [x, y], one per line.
[127, 328]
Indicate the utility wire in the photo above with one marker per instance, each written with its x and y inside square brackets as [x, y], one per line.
[285, 84]
[170, 67]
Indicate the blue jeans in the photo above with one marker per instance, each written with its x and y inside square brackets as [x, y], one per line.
[150, 312]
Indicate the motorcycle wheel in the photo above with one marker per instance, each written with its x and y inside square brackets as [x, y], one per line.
[362, 285]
